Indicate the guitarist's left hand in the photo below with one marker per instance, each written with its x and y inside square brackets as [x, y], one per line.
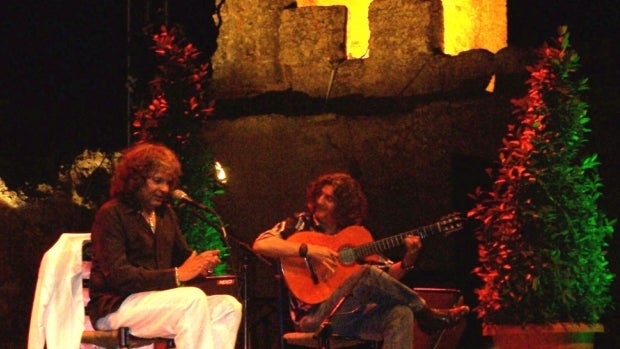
[324, 255]
[413, 243]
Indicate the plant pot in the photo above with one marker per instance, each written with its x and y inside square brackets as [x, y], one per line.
[557, 335]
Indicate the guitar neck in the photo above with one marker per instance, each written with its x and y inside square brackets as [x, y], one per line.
[393, 241]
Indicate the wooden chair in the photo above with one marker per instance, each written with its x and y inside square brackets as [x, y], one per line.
[113, 339]
[310, 340]
[122, 339]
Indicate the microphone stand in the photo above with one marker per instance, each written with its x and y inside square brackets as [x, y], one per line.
[244, 265]
[244, 271]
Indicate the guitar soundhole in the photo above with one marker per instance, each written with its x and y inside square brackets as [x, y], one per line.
[347, 256]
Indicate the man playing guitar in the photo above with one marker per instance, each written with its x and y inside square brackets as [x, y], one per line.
[372, 303]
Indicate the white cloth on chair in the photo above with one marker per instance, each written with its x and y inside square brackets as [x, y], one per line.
[57, 318]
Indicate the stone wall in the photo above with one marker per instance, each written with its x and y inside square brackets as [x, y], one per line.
[275, 46]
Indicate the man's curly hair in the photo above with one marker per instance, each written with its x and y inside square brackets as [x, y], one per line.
[137, 164]
[350, 202]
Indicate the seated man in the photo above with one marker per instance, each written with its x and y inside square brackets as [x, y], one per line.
[140, 260]
[377, 306]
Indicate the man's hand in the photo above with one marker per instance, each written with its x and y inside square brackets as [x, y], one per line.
[413, 243]
[212, 260]
[324, 255]
[199, 264]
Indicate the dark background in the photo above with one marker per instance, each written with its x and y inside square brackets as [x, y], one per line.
[65, 67]
[64, 76]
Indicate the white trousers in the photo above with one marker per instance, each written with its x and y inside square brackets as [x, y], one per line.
[193, 319]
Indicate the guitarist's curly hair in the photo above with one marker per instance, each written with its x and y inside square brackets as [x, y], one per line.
[351, 205]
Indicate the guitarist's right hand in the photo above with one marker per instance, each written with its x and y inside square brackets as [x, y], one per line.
[324, 255]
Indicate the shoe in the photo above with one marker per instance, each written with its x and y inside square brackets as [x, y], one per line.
[431, 320]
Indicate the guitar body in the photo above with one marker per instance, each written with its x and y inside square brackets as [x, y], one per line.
[298, 276]
[312, 282]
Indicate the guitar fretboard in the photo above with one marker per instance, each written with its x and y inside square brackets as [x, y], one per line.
[394, 241]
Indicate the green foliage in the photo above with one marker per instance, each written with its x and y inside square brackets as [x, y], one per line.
[175, 116]
[542, 237]
[202, 229]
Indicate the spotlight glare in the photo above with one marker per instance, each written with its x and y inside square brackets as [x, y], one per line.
[220, 173]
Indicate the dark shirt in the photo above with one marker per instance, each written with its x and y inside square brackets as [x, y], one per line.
[129, 258]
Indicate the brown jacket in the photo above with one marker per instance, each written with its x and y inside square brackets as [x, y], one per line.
[128, 258]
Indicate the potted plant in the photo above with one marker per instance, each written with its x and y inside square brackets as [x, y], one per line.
[542, 237]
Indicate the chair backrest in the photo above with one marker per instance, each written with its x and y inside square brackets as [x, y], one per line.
[86, 266]
[57, 317]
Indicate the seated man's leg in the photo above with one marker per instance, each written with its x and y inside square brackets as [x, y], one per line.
[368, 285]
[185, 314]
[226, 313]
[371, 285]
[377, 286]
[394, 326]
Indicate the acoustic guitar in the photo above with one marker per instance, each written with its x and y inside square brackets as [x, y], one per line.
[312, 282]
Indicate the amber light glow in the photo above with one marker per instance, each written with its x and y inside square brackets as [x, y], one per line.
[474, 24]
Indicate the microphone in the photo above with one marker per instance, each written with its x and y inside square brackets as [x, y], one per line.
[180, 195]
